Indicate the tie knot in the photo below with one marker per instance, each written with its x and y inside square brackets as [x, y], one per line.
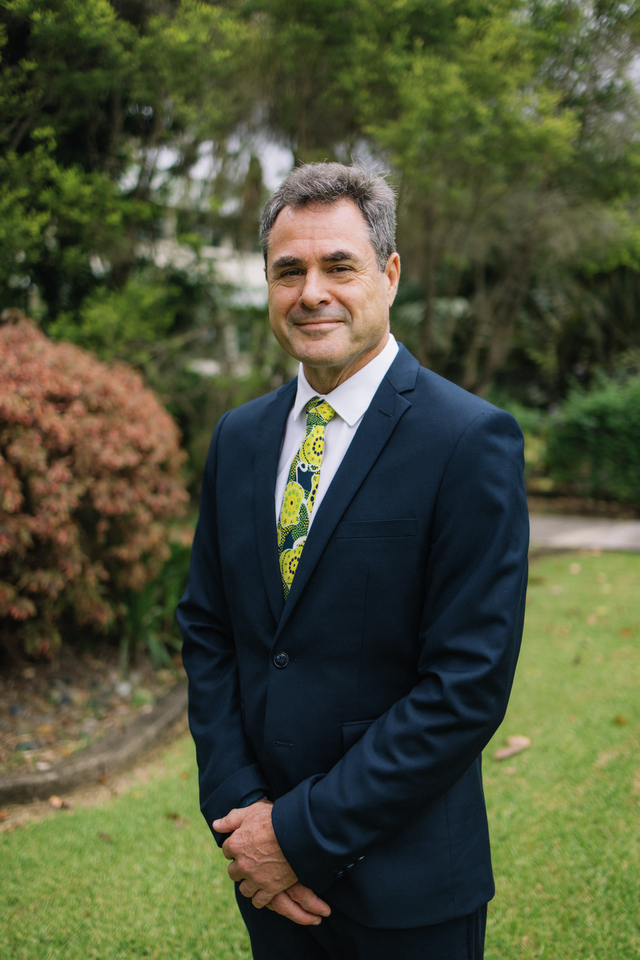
[319, 411]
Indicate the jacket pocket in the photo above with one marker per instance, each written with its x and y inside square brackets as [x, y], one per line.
[352, 730]
[402, 527]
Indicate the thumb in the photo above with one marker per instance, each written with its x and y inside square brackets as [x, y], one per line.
[231, 822]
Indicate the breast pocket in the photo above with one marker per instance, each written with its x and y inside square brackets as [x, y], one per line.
[376, 529]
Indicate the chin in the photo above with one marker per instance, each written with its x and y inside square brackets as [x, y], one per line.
[320, 358]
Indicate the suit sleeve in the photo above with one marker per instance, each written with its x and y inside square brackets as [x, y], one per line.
[228, 771]
[469, 638]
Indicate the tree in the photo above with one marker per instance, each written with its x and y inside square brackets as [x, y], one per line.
[98, 115]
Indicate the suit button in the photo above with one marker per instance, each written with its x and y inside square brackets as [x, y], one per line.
[281, 660]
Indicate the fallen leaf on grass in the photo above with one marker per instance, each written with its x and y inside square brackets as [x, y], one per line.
[516, 744]
[4, 814]
[620, 720]
[184, 775]
[103, 778]
[105, 836]
[57, 803]
[179, 821]
[625, 632]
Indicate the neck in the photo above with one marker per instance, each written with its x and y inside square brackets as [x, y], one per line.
[325, 379]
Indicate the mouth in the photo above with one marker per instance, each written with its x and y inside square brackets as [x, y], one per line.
[317, 324]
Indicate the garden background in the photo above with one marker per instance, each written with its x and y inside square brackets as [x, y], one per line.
[138, 141]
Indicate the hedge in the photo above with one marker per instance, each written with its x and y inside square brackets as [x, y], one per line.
[593, 446]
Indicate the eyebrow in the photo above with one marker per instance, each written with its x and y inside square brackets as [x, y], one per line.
[337, 255]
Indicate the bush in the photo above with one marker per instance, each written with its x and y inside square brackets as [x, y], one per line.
[594, 445]
[89, 476]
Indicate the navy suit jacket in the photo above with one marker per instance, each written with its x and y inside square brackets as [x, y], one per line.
[361, 706]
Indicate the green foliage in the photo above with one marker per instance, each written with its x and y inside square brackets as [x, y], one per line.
[89, 100]
[509, 128]
[594, 445]
[150, 618]
[121, 323]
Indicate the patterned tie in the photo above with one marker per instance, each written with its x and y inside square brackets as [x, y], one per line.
[300, 491]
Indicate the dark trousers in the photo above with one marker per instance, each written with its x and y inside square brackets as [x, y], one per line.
[339, 937]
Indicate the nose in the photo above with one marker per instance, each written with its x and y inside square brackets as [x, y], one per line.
[315, 290]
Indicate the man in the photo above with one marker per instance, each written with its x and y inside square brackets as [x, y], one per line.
[355, 609]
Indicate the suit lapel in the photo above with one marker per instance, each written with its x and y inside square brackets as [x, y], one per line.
[378, 423]
[270, 432]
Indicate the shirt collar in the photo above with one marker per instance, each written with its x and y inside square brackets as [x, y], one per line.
[351, 399]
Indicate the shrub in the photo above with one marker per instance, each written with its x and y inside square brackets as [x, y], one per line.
[594, 446]
[89, 476]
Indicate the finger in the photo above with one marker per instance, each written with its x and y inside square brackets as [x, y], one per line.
[249, 889]
[235, 872]
[286, 907]
[308, 900]
[231, 822]
[260, 898]
[227, 852]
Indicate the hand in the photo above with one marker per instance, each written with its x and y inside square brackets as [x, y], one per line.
[301, 905]
[260, 865]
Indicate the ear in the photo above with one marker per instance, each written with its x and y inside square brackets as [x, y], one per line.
[392, 273]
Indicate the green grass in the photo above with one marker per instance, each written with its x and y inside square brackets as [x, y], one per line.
[121, 881]
[564, 814]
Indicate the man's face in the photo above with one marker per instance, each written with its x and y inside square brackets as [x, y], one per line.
[328, 299]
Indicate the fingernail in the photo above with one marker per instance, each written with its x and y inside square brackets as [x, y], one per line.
[316, 923]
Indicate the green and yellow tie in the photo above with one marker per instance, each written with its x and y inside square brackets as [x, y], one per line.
[300, 491]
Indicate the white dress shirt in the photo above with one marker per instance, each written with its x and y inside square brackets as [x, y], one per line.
[350, 401]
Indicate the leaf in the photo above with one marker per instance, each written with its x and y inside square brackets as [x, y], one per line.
[516, 744]
[106, 837]
[620, 720]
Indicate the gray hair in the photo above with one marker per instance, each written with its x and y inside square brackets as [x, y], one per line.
[329, 182]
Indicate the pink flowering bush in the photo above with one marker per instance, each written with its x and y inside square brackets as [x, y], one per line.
[89, 476]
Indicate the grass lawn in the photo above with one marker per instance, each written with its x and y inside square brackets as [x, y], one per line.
[139, 876]
[565, 814]
[136, 877]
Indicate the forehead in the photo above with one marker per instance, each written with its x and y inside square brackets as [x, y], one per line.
[319, 228]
